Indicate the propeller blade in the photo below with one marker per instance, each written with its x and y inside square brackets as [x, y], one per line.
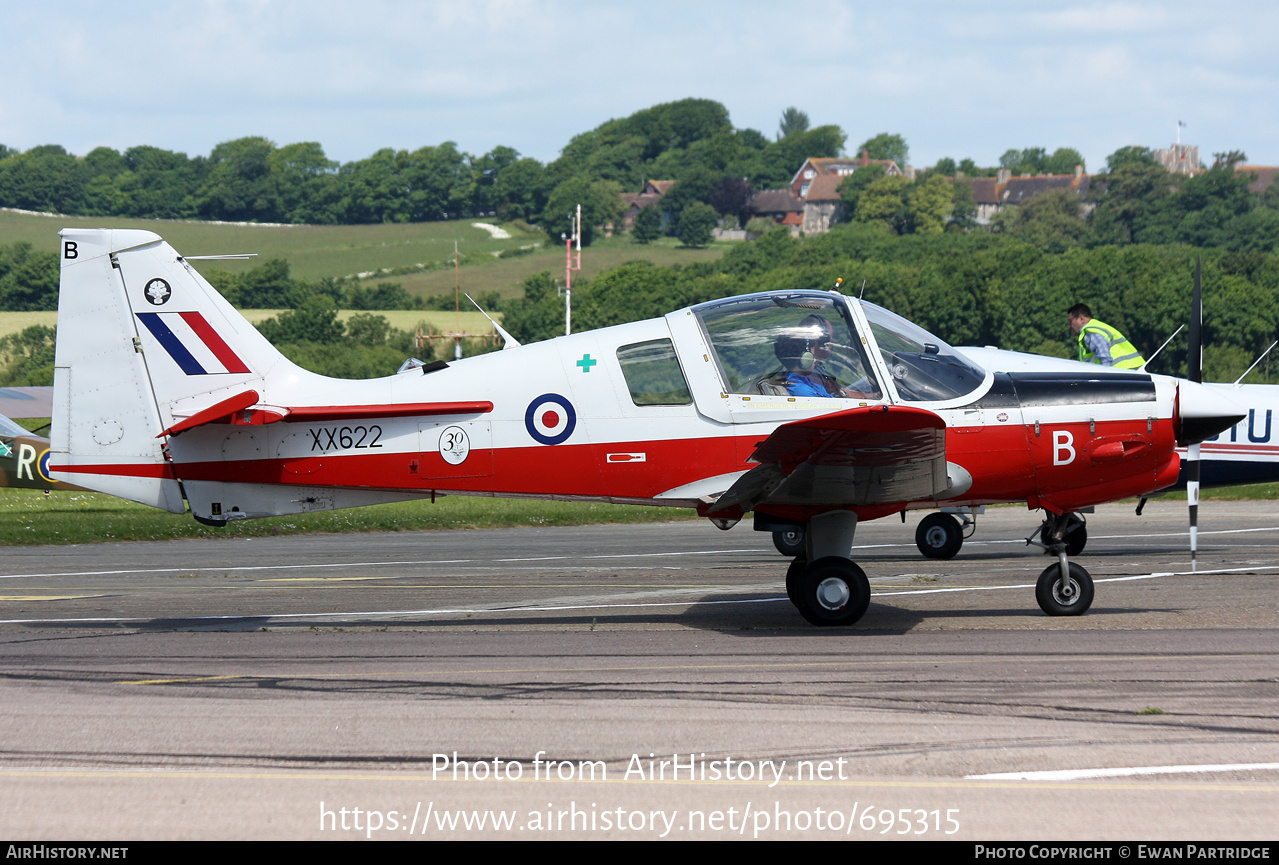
[1196, 374]
[1192, 499]
[1194, 360]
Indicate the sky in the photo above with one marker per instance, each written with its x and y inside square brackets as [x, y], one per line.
[958, 78]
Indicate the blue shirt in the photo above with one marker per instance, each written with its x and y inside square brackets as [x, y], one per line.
[812, 383]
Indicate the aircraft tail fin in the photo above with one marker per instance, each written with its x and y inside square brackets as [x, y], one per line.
[144, 342]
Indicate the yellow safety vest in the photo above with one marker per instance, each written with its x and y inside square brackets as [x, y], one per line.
[1123, 354]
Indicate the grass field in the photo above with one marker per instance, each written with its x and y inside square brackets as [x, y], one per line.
[315, 251]
[13, 322]
[312, 251]
[29, 517]
[402, 319]
[506, 276]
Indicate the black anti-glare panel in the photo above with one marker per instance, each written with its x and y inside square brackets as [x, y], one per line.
[1046, 389]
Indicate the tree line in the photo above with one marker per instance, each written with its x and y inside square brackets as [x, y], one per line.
[691, 141]
[974, 288]
[307, 330]
[1125, 249]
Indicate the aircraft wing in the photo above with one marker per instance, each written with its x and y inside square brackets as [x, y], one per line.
[862, 456]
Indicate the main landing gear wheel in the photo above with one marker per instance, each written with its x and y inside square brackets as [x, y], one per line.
[939, 536]
[1072, 599]
[794, 575]
[790, 542]
[1076, 539]
[833, 591]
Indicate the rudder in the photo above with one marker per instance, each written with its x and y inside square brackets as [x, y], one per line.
[143, 342]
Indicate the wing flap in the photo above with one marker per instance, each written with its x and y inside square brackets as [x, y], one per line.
[863, 456]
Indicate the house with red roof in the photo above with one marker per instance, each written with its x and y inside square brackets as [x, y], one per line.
[651, 194]
[811, 203]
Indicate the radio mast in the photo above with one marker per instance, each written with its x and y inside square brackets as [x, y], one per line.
[574, 236]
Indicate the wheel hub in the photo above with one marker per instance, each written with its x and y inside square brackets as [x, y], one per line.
[936, 537]
[833, 593]
[1067, 594]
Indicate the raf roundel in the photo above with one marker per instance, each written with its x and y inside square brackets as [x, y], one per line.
[550, 419]
[43, 466]
[157, 292]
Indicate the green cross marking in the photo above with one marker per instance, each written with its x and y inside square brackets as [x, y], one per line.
[6, 448]
[586, 363]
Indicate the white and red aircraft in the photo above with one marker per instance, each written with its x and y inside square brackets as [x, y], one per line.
[165, 395]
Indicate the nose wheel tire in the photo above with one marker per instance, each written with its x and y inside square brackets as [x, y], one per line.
[833, 591]
[939, 536]
[1072, 599]
[790, 542]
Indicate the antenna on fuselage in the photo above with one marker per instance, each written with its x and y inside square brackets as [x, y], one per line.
[1142, 368]
[508, 341]
[1259, 359]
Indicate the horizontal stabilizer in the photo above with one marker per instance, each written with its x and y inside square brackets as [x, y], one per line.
[214, 413]
[408, 409]
[229, 411]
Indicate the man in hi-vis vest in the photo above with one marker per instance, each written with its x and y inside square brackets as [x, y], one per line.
[1101, 343]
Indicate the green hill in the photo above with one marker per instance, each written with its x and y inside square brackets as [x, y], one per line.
[416, 255]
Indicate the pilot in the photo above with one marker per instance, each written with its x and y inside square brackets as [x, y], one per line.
[1100, 343]
[802, 352]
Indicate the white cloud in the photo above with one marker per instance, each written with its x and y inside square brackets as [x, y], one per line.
[964, 78]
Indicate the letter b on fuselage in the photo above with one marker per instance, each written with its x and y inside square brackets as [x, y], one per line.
[1063, 447]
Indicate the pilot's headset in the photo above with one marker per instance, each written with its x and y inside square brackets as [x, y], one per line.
[807, 360]
[813, 330]
[795, 348]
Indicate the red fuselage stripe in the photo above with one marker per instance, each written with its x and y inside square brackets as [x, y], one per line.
[128, 470]
[1007, 463]
[1236, 449]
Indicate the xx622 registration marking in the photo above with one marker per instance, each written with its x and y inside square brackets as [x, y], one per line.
[345, 437]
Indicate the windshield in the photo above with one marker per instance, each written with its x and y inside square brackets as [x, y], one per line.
[798, 344]
[924, 368]
[9, 428]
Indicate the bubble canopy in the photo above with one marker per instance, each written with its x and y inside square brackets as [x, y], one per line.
[810, 344]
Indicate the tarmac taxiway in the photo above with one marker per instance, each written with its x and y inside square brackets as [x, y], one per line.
[241, 688]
